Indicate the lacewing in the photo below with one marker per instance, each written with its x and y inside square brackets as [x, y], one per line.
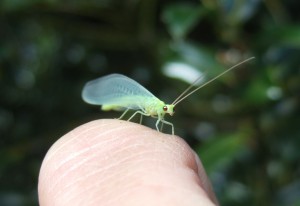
[118, 92]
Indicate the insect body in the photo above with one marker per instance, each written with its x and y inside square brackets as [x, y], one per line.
[118, 92]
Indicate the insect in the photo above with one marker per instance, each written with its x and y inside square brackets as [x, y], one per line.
[118, 92]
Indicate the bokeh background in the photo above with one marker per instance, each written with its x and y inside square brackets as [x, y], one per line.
[245, 126]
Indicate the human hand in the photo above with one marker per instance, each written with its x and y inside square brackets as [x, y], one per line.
[114, 162]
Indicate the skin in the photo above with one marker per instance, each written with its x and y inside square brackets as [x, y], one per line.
[115, 162]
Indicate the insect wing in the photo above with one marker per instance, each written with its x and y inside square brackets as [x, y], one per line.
[116, 90]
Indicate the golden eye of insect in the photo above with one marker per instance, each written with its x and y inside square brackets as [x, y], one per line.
[165, 108]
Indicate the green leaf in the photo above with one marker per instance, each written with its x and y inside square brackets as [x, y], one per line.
[220, 152]
[181, 18]
[256, 94]
[278, 36]
[289, 36]
[199, 56]
[236, 12]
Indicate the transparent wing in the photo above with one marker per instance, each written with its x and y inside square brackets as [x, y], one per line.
[116, 90]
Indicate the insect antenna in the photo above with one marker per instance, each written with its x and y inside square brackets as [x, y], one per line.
[187, 89]
[178, 99]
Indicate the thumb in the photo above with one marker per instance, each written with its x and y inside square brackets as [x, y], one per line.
[113, 162]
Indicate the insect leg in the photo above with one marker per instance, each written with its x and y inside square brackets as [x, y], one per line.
[160, 118]
[123, 114]
[169, 123]
[138, 112]
[141, 119]
[162, 126]
[156, 124]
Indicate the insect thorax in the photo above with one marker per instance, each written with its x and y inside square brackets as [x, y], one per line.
[154, 107]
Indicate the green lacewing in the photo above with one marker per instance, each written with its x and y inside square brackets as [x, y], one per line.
[120, 93]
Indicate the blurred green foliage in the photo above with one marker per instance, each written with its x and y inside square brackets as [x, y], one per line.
[244, 126]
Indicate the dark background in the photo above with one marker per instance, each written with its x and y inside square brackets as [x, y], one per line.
[244, 126]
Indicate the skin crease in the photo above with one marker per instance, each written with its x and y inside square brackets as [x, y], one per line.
[115, 162]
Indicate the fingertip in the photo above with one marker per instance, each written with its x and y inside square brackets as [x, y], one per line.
[103, 159]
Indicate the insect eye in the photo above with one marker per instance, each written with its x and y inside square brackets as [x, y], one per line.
[165, 108]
